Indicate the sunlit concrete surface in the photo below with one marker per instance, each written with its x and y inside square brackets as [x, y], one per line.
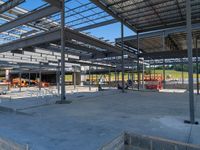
[29, 92]
[91, 121]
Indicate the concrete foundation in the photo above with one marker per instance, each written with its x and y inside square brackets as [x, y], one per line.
[6, 144]
[93, 119]
[130, 141]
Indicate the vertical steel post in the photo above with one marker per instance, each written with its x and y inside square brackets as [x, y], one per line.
[40, 78]
[89, 79]
[154, 70]
[118, 73]
[138, 61]
[143, 74]
[109, 78]
[150, 67]
[74, 77]
[29, 79]
[122, 46]
[96, 76]
[132, 74]
[63, 98]
[92, 77]
[182, 71]
[190, 63]
[197, 66]
[164, 82]
[20, 80]
[58, 78]
[115, 77]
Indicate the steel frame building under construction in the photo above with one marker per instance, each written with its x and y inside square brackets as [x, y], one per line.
[53, 37]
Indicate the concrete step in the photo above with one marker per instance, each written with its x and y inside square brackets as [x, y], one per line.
[6, 144]
[131, 141]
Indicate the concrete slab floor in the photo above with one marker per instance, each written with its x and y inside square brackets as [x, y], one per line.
[88, 123]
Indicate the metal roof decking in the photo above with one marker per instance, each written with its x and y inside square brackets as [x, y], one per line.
[148, 15]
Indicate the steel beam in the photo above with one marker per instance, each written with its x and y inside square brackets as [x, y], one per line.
[96, 25]
[9, 5]
[54, 35]
[105, 8]
[166, 54]
[160, 32]
[56, 3]
[30, 17]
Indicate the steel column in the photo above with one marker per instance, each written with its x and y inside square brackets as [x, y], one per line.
[138, 61]
[63, 97]
[96, 75]
[89, 79]
[164, 61]
[190, 63]
[40, 76]
[20, 80]
[29, 79]
[164, 85]
[182, 72]
[143, 74]
[118, 74]
[132, 74]
[150, 67]
[58, 78]
[115, 77]
[122, 46]
[92, 76]
[74, 78]
[154, 71]
[109, 78]
[197, 66]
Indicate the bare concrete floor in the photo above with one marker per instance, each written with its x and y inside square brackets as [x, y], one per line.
[91, 121]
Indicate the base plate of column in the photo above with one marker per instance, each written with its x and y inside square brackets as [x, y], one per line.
[189, 122]
[64, 102]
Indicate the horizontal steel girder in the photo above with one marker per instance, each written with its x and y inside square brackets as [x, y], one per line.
[55, 3]
[9, 5]
[30, 17]
[54, 35]
[167, 54]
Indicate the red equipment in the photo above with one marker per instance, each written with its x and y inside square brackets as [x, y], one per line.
[153, 81]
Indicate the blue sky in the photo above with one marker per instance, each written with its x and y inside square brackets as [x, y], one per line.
[109, 32]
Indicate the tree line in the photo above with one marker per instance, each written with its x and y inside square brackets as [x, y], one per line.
[179, 67]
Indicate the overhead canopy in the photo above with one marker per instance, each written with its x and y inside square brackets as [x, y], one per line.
[147, 15]
[163, 44]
